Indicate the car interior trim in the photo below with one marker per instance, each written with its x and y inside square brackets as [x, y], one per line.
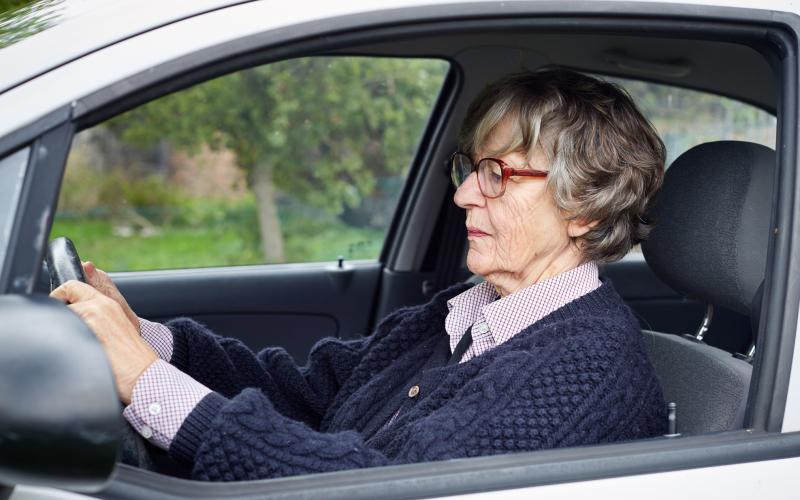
[36, 210]
[25, 135]
[778, 325]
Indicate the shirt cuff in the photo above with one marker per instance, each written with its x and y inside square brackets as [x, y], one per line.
[162, 399]
[159, 337]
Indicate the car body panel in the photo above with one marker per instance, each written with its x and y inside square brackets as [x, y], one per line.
[791, 415]
[68, 81]
[772, 479]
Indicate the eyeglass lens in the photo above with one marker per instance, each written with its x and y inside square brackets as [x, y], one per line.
[490, 174]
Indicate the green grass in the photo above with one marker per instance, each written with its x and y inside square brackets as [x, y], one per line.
[225, 243]
[173, 247]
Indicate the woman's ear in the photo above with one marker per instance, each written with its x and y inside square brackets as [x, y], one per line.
[577, 227]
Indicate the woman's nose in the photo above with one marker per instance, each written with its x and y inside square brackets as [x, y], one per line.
[468, 193]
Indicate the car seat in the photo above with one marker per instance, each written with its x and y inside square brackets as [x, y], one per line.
[712, 230]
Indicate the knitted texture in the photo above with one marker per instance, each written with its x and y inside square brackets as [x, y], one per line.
[578, 376]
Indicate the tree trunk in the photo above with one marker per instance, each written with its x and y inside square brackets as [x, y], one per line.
[268, 222]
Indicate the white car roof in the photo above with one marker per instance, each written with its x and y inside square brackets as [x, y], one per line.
[83, 26]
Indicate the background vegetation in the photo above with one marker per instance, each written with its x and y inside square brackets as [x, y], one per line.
[22, 18]
[306, 159]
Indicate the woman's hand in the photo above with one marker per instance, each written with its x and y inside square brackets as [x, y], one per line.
[103, 284]
[127, 352]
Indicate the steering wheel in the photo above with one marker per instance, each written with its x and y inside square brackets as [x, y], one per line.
[63, 263]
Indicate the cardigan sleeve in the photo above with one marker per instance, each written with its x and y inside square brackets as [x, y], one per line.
[304, 393]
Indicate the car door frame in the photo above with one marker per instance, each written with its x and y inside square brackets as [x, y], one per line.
[762, 440]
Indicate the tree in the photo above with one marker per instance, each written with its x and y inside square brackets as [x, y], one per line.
[22, 18]
[321, 128]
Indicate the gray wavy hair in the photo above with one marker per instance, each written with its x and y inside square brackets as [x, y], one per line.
[606, 158]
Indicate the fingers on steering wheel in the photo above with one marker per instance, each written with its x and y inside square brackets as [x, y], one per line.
[73, 291]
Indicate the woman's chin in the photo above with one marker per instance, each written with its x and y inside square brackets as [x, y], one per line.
[477, 264]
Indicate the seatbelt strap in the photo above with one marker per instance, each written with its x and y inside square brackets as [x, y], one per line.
[461, 348]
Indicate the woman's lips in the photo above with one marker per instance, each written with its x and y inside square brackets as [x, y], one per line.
[474, 232]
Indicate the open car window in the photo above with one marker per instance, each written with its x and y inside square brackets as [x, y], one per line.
[297, 161]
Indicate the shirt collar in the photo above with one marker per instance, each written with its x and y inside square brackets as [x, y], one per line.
[513, 313]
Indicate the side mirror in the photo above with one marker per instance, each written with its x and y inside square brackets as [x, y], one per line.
[60, 423]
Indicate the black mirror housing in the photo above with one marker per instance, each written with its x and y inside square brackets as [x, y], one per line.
[60, 423]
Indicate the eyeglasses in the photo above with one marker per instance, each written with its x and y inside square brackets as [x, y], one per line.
[492, 173]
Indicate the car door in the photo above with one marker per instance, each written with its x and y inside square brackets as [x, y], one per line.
[764, 453]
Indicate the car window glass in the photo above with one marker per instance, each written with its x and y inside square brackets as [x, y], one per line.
[685, 118]
[297, 161]
[12, 173]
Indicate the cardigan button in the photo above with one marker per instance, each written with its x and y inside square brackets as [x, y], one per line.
[412, 393]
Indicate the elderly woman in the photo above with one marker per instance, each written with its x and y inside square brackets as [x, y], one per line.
[555, 171]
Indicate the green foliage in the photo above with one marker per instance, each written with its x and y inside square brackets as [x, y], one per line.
[85, 190]
[201, 233]
[327, 128]
[22, 18]
[685, 118]
[172, 248]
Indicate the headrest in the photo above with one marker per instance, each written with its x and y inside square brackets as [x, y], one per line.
[712, 223]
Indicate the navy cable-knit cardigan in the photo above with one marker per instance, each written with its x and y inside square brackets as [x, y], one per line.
[579, 376]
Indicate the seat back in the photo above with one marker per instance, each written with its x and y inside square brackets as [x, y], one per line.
[710, 243]
[708, 385]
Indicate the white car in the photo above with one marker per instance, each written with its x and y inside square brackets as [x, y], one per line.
[112, 111]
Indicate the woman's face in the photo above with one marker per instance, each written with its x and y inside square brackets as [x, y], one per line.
[521, 237]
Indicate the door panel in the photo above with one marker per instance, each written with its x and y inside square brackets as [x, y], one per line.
[292, 306]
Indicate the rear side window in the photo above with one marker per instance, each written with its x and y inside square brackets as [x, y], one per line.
[297, 161]
[685, 118]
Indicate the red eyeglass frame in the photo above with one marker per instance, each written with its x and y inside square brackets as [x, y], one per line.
[507, 172]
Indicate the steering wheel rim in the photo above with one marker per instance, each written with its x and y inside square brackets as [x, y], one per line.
[63, 262]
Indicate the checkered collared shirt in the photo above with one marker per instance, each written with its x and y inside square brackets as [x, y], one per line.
[498, 320]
